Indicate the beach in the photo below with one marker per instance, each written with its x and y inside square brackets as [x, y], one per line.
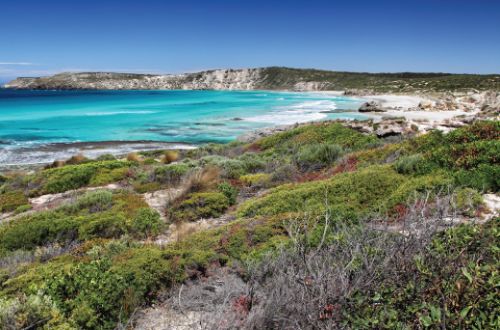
[147, 123]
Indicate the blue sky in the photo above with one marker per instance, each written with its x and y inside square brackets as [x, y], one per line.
[44, 37]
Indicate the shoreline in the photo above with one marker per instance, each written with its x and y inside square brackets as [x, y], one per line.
[88, 149]
[418, 110]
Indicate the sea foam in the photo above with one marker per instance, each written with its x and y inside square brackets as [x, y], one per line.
[298, 113]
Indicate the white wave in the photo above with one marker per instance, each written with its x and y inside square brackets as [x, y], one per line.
[31, 156]
[298, 113]
[114, 113]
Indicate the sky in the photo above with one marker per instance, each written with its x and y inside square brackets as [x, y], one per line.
[45, 37]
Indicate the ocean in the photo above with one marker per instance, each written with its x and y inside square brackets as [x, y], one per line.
[41, 126]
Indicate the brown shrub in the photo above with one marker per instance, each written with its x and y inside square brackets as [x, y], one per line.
[133, 157]
[76, 159]
[202, 180]
[170, 156]
[55, 163]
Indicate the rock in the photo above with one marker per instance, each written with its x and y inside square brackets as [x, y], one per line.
[453, 123]
[371, 106]
[385, 131]
[263, 132]
[311, 86]
[425, 105]
[361, 126]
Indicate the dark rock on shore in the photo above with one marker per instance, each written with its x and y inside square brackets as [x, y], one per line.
[371, 106]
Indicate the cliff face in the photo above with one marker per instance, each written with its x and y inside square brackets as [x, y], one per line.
[277, 78]
[227, 79]
[98, 80]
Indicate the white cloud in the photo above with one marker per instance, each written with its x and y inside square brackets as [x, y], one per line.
[16, 63]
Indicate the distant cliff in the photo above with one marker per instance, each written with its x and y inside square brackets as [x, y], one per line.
[272, 78]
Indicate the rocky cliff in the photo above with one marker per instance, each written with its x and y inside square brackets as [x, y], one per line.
[243, 79]
[277, 78]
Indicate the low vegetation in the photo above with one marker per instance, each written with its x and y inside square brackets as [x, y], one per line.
[286, 78]
[284, 209]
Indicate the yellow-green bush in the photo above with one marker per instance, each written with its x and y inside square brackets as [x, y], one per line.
[413, 188]
[257, 179]
[94, 214]
[11, 200]
[70, 177]
[201, 205]
[146, 223]
[327, 132]
[105, 176]
[348, 195]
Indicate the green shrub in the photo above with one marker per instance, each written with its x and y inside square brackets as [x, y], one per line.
[105, 157]
[380, 155]
[232, 168]
[256, 180]
[229, 191]
[70, 177]
[105, 225]
[329, 133]
[171, 174]
[415, 187]
[242, 240]
[23, 208]
[468, 201]
[348, 195]
[477, 131]
[149, 161]
[252, 162]
[98, 214]
[284, 173]
[106, 176]
[142, 188]
[413, 164]
[26, 311]
[201, 205]
[38, 229]
[146, 223]
[103, 288]
[465, 148]
[93, 201]
[426, 142]
[466, 155]
[483, 178]
[469, 154]
[317, 156]
[11, 200]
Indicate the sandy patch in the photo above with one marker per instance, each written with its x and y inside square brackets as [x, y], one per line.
[396, 101]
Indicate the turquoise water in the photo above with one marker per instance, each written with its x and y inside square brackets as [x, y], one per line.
[33, 119]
